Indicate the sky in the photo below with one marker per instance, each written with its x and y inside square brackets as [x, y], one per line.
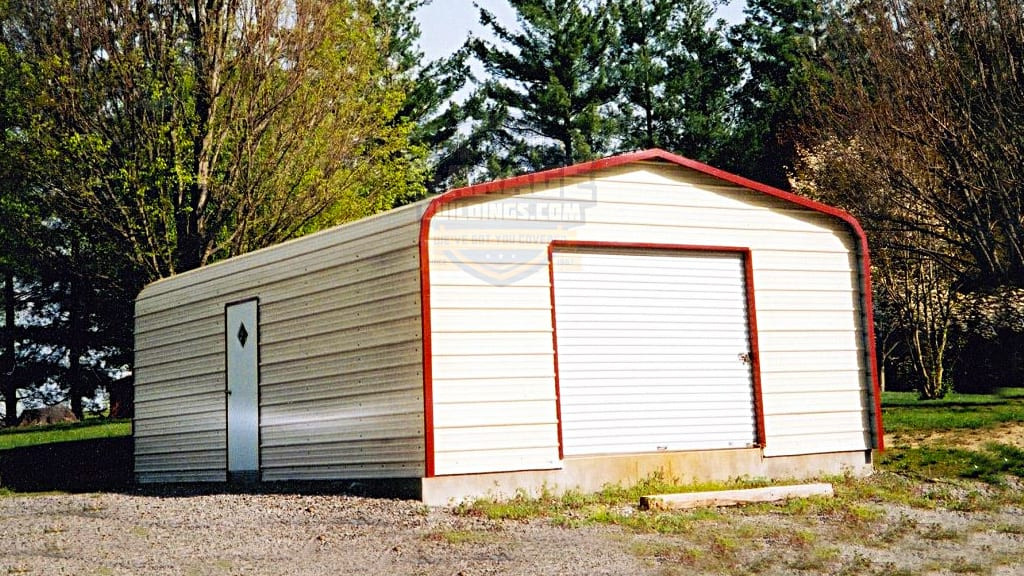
[446, 23]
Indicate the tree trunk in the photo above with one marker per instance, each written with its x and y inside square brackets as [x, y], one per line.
[75, 336]
[9, 386]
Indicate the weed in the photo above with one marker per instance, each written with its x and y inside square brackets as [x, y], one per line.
[857, 565]
[883, 487]
[802, 538]
[963, 566]
[1017, 529]
[891, 569]
[724, 545]
[459, 537]
[816, 560]
[939, 532]
[521, 507]
[896, 530]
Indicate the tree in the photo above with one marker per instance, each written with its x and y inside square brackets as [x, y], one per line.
[920, 117]
[778, 41]
[548, 88]
[18, 217]
[429, 108]
[186, 132]
[933, 94]
[676, 74]
[921, 299]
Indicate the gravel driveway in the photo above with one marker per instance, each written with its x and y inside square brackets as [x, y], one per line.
[286, 534]
[108, 534]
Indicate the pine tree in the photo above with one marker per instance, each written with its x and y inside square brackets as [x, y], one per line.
[676, 72]
[548, 86]
[429, 106]
[778, 41]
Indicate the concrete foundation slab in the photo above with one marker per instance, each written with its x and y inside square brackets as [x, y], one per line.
[591, 473]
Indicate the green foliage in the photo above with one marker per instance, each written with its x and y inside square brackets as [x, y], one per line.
[437, 149]
[214, 133]
[548, 84]
[521, 507]
[676, 73]
[777, 42]
[129, 152]
[86, 430]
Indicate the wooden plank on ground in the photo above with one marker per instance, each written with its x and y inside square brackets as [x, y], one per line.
[733, 497]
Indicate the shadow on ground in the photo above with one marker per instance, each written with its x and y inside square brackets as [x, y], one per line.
[81, 466]
[105, 465]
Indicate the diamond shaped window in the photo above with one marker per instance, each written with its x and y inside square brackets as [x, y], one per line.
[243, 335]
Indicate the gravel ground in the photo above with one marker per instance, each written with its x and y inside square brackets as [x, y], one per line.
[113, 534]
[283, 534]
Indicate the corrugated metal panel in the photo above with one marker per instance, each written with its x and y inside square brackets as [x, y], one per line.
[366, 233]
[156, 477]
[181, 387]
[674, 409]
[808, 259]
[199, 419]
[197, 442]
[183, 328]
[340, 358]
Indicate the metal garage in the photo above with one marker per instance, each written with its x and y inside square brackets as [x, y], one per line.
[596, 323]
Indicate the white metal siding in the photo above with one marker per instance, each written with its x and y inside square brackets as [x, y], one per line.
[651, 351]
[805, 277]
[340, 358]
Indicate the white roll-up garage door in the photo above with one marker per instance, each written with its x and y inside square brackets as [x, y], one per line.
[653, 350]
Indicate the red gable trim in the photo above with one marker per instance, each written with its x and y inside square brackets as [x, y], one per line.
[603, 164]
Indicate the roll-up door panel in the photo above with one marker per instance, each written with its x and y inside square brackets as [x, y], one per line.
[653, 351]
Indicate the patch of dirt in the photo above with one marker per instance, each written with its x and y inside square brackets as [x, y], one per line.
[1011, 433]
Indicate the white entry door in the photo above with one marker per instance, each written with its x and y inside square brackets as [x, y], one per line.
[243, 386]
[653, 351]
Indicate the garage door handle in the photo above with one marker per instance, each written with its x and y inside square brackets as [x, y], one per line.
[744, 357]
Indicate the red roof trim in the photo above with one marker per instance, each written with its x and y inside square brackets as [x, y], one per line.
[631, 158]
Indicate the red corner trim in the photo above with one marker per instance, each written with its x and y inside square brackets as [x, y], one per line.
[755, 350]
[748, 271]
[547, 176]
[554, 347]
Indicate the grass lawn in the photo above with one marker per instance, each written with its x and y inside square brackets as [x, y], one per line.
[89, 429]
[903, 412]
[953, 470]
[953, 455]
